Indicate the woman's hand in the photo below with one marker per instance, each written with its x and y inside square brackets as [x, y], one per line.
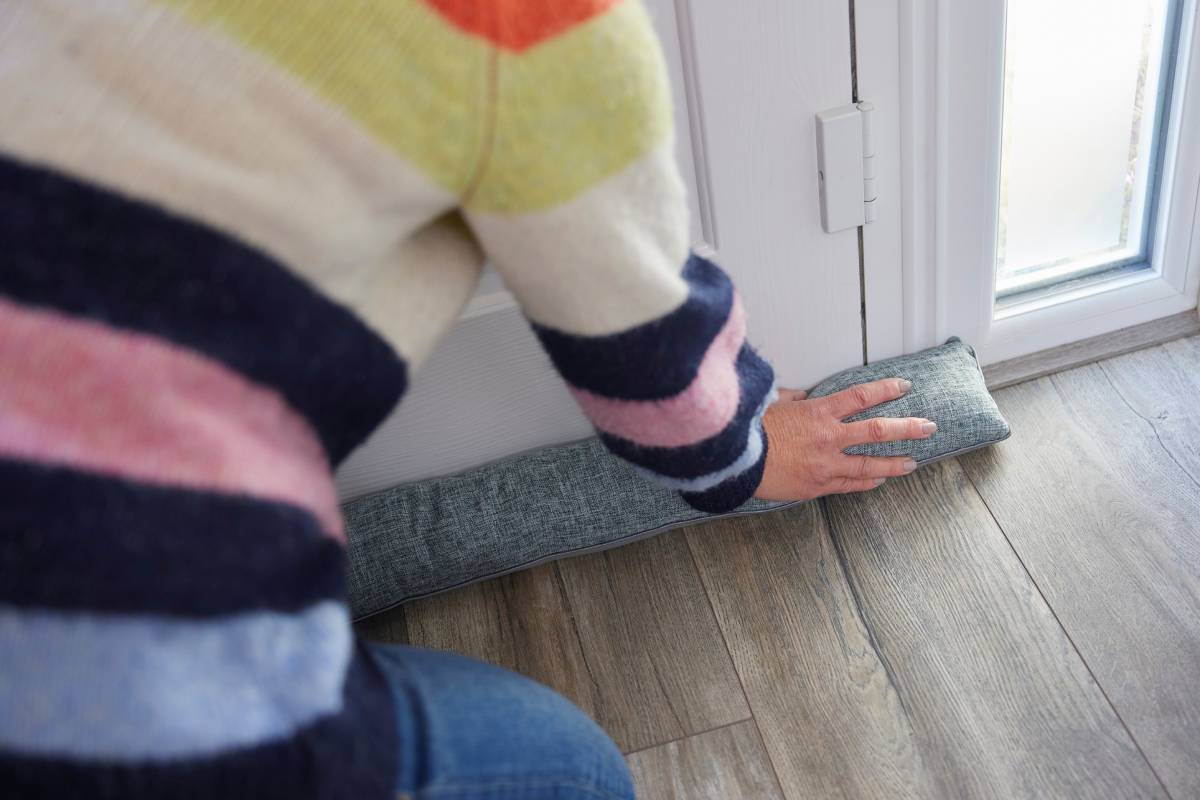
[806, 439]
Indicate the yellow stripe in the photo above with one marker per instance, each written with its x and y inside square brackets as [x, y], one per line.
[109, 93]
[574, 110]
[395, 66]
[549, 121]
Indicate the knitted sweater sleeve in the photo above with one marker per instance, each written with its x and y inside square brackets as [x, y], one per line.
[580, 207]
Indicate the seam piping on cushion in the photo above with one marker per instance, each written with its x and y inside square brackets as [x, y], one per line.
[581, 551]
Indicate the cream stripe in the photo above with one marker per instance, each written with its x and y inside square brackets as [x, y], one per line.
[397, 67]
[146, 102]
[431, 277]
[604, 261]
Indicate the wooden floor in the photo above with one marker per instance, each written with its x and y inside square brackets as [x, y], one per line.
[1019, 622]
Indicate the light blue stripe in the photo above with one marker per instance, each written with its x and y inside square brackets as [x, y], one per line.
[144, 688]
[749, 457]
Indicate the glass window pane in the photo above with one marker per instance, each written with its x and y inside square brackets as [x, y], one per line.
[1082, 100]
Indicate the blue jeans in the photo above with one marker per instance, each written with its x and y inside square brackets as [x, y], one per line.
[473, 731]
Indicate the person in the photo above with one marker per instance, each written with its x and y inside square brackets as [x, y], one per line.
[232, 230]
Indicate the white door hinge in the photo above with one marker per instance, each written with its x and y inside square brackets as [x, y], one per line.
[846, 173]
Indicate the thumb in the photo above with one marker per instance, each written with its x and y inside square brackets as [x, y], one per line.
[792, 394]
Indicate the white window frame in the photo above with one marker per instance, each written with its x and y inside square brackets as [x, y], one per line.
[937, 65]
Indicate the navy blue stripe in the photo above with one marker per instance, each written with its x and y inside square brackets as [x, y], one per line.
[348, 756]
[651, 361]
[89, 252]
[71, 540]
[716, 452]
[732, 493]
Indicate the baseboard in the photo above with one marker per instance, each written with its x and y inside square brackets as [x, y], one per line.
[1076, 354]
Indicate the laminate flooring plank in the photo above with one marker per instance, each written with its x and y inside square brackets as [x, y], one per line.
[892, 645]
[388, 627]
[627, 635]
[649, 631]
[1162, 386]
[1000, 702]
[1097, 493]
[830, 716]
[724, 764]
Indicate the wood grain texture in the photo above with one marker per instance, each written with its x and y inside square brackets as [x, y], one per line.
[649, 630]
[628, 635]
[900, 640]
[1162, 386]
[1098, 494]
[725, 764]
[1086, 351]
[386, 628]
[829, 714]
[1023, 621]
[1000, 703]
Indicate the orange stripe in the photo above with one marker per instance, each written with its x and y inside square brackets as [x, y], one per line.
[518, 24]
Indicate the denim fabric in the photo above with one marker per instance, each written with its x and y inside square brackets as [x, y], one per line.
[473, 731]
[421, 538]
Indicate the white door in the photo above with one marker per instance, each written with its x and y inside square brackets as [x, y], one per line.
[747, 79]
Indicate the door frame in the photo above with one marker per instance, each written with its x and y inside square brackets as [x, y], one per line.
[934, 69]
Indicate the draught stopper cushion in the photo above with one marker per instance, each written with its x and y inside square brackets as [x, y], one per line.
[947, 387]
[421, 538]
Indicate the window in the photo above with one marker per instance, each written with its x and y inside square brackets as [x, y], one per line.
[1048, 180]
[1085, 92]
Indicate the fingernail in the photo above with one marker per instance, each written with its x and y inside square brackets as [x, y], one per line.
[904, 384]
[910, 465]
[880, 481]
[928, 427]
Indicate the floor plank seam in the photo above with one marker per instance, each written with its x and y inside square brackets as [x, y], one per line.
[1148, 421]
[1091, 673]
[729, 654]
[662, 687]
[685, 737]
[852, 584]
[712, 609]
[763, 744]
[562, 587]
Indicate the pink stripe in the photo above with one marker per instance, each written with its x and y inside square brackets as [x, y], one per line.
[82, 394]
[701, 410]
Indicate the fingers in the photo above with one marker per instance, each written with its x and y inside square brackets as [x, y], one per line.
[792, 394]
[887, 429]
[847, 485]
[869, 467]
[861, 473]
[865, 395]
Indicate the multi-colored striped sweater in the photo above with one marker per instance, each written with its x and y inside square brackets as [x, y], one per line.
[230, 230]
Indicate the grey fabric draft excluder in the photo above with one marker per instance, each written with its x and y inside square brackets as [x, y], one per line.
[422, 538]
[947, 388]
